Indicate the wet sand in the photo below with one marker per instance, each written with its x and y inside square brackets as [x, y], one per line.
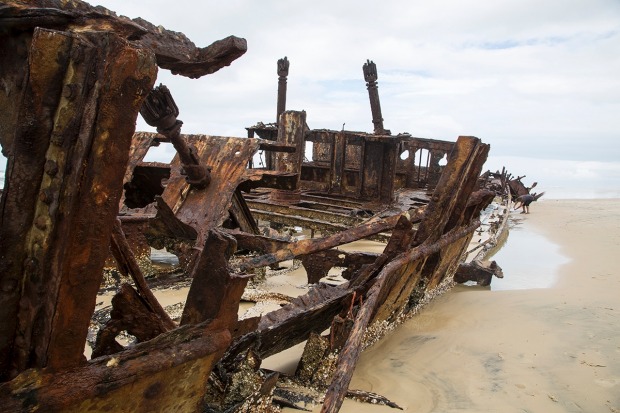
[524, 346]
[545, 338]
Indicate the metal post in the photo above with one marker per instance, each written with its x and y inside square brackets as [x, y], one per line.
[370, 76]
[283, 65]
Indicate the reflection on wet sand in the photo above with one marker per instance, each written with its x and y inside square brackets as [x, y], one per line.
[524, 348]
[529, 259]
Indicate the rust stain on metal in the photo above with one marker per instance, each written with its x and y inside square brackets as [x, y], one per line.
[77, 187]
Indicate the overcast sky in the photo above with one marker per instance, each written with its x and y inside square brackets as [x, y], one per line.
[535, 79]
[532, 78]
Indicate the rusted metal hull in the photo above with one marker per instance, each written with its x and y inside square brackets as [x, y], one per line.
[79, 193]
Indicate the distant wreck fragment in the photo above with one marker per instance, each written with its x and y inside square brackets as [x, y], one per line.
[78, 194]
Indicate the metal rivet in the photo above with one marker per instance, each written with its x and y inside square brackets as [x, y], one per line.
[70, 91]
[45, 196]
[51, 167]
[41, 223]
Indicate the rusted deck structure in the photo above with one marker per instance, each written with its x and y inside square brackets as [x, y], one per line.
[77, 190]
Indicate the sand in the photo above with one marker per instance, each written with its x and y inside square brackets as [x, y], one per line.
[529, 349]
[545, 338]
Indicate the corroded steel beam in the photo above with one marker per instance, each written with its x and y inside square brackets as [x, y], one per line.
[64, 183]
[293, 323]
[128, 266]
[454, 187]
[447, 210]
[215, 292]
[259, 178]
[173, 50]
[208, 208]
[132, 314]
[308, 246]
[255, 242]
[384, 282]
[291, 131]
[165, 374]
[167, 224]
[318, 264]
[315, 214]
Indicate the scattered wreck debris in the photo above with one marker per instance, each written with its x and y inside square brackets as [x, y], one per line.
[481, 272]
[493, 226]
[75, 78]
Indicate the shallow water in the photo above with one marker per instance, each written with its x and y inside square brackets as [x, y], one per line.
[528, 259]
[528, 348]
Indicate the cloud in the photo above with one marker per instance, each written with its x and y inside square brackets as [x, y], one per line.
[563, 178]
[531, 78]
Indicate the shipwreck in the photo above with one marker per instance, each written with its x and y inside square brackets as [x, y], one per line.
[78, 196]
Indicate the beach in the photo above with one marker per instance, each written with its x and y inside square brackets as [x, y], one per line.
[554, 348]
[545, 338]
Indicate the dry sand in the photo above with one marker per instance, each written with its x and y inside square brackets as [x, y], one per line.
[554, 349]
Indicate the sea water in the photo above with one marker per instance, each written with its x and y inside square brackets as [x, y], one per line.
[528, 259]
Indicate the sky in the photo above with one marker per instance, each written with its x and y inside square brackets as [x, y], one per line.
[538, 81]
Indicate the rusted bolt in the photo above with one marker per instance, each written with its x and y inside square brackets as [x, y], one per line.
[71, 91]
[51, 167]
[45, 196]
[41, 223]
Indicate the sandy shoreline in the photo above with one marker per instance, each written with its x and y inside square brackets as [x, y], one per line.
[516, 347]
[553, 349]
